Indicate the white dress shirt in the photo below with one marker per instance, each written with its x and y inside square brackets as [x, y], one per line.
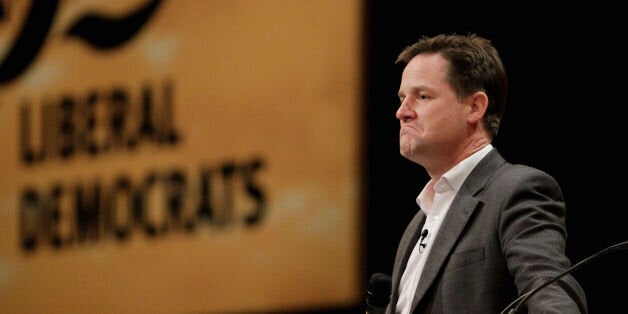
[435, 209]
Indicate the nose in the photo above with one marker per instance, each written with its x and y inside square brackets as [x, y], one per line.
[404, 112]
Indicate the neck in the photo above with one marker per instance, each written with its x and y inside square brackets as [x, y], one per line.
[442, 165]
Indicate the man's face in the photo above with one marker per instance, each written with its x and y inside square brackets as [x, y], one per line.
[432, 119]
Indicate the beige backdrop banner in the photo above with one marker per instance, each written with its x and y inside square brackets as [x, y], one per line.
[185, 156]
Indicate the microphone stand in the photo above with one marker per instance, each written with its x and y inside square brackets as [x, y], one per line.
[513, 307]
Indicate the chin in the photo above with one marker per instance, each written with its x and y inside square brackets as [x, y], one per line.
[408, 150]
[405, 147]
[405, 152]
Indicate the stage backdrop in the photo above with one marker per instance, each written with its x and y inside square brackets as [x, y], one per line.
[179, 156]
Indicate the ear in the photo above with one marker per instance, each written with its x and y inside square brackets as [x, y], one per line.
[477, 107]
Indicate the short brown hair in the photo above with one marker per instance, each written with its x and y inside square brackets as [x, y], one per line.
[475, 65]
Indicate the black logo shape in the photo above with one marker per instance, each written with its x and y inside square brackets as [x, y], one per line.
[100, 32]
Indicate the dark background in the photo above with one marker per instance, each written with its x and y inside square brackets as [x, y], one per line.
[567, 74]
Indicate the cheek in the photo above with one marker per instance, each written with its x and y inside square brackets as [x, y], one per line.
[443, 126]
[453, 118]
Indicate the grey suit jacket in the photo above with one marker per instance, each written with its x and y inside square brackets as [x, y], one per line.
[504, 235]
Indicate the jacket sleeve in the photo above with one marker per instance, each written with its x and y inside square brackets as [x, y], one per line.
[533, 236]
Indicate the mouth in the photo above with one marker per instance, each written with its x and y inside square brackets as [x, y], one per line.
[406, 128]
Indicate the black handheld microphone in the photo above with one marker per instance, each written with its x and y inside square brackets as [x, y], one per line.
[378, 293]
[513, 307]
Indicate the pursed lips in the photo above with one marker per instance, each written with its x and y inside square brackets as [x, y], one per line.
[407, 128]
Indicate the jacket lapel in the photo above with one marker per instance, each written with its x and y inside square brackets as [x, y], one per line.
[457, 217]
[462, 207]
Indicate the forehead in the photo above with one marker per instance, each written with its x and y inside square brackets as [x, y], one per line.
[425, 70]
[426, 66]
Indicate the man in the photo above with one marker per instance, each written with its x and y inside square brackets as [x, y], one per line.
[487, 231]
